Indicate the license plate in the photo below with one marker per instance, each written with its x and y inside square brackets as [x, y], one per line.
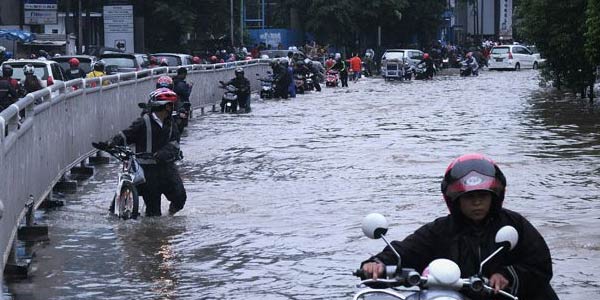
[499, 59]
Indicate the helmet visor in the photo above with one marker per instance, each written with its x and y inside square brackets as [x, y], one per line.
[463, 168]
[474, 181]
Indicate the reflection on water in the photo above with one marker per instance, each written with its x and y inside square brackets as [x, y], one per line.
[276, 197]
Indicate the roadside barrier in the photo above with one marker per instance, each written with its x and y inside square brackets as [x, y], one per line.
[48, 133]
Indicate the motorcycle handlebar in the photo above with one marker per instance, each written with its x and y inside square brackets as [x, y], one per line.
[409, 277]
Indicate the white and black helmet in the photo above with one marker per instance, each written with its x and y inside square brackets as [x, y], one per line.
[28, 69]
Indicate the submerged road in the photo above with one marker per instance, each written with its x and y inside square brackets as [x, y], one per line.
[276, 197]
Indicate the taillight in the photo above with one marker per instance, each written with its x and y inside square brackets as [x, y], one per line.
[50, 81]
[510, 55]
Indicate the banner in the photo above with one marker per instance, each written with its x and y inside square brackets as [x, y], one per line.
[506, 7]
[118, 27]
[37, 12]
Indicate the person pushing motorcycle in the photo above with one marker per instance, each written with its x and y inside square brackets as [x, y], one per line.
[155, 132]
[473, 188]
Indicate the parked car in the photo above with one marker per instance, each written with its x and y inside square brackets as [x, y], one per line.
[48, 71]
[513, 57]
[174, 59]
[124, 62]
[85, 62]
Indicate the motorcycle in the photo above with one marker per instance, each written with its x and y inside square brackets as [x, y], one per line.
[466, 69]
[267, 86]
[299, 81]
[332, 78]
[229, 101]
[308, 83]
[420, 71]
[182, 114]
[441, 279]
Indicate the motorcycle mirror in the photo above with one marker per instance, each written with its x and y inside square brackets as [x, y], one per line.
[142, 105]
[374, 225]
[1, 209]
[508, 234]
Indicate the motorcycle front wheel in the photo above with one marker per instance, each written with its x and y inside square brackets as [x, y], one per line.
[127, 202]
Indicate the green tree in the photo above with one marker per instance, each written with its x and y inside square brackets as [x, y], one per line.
[557, 28]
[592, 35]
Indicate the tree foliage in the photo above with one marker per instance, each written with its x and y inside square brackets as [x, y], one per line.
[557, 28]
[592, 35]
[352, 24]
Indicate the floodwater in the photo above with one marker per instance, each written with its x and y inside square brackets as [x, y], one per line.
[276, 197]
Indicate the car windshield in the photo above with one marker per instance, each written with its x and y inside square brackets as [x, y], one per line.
[500, 50]
[122, 62]
[41, 71]
[394, 55]
[171, 60]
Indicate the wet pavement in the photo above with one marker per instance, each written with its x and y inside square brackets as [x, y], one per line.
[276, 197]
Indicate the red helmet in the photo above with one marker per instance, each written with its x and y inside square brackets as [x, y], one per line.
[214, 59]
[196, 60]
[74, 62]
[164, 82]
[162, 96]
[426, 56]
[473, 172]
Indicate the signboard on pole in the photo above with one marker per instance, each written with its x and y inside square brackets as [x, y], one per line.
[118, 27]
[506, 7]
[37, 12]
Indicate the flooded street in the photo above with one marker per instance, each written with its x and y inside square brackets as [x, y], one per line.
[276, 197]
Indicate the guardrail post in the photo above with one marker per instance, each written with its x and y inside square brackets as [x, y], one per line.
[82, 172]
[32, 232]
[99, 159]
[66, 186]
[15, 267]
[50, 202]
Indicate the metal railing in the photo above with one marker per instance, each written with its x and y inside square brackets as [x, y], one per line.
[48, 132]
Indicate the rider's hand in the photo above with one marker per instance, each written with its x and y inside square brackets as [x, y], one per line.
[373, 269]
[498, 282]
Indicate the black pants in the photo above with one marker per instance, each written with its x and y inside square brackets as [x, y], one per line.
[281, 89]
[315, 80]
[162, 179]
[344, 78]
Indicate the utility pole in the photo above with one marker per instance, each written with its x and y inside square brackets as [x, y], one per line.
[231, 20]
[80, 33]
[242, 15]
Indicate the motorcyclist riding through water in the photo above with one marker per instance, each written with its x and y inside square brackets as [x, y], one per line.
[471, 63]
[429, 68]
[242, 85]
[473, 188]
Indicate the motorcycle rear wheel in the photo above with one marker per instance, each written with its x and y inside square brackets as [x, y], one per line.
[127, 202]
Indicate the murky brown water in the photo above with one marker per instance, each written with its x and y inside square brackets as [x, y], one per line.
[276, 197]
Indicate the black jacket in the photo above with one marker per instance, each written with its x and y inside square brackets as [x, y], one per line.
[8, 94]
[528, 266]
[182, 89]
[164, 144]
[75, 73]
[242, 84]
